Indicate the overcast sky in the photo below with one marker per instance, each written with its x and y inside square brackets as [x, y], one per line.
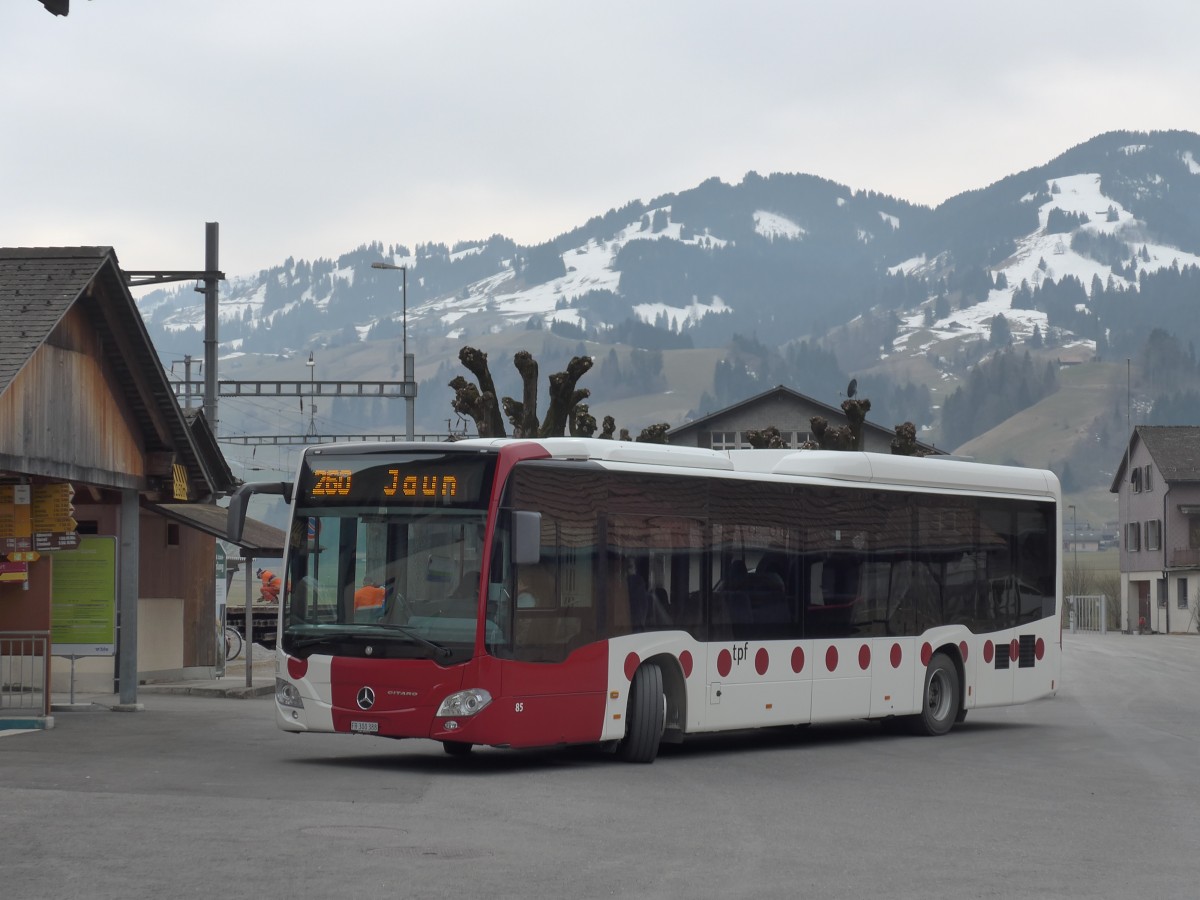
[308, 127]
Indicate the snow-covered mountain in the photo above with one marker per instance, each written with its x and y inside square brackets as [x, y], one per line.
[1066, 252]
[1043, 256]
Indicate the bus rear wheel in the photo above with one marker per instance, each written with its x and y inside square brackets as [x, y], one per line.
[941, 699]
[645, 716]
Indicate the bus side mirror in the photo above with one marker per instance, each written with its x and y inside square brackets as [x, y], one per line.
[235, 520]
[527, 537]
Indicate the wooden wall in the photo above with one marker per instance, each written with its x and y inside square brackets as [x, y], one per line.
[185, 570]
[65, 414]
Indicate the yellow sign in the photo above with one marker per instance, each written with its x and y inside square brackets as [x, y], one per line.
[181, 481]
[14, 571]
[52, 509]
[14, 511]
[24, 556]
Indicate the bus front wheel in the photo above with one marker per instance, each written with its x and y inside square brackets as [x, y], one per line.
[457, 748]
[645, 717]
[941, 698]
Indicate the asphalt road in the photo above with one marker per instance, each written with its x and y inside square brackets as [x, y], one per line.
[1090, 794]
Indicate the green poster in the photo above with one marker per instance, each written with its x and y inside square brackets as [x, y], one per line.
[83, 612]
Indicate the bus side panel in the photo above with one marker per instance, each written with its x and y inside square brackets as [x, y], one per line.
[1038, 665]
[542, 704]
[893, 669]
[755, 684]
[841, 680]
[994, 669]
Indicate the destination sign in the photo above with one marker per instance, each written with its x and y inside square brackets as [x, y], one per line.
[378, 480]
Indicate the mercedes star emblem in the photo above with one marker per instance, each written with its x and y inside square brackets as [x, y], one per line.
[366, 698]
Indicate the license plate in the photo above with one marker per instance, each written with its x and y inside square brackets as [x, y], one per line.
[365, 727]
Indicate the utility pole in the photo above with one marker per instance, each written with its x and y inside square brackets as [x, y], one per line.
[211, 232]
[210, 275]
[212, 388]
[187, 378]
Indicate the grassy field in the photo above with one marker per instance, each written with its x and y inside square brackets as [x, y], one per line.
[1092, 573]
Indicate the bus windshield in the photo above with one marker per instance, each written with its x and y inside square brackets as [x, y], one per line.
[385, 553]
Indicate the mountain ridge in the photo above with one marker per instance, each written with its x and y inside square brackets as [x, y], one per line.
[827, 280]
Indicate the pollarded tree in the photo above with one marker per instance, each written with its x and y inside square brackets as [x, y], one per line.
[482, 405]
[654, 434]
[767, 438]
[905, 441]
[478, 402]
[841, 437]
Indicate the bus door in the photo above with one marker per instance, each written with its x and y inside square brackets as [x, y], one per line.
[759, 673]
[551, 615]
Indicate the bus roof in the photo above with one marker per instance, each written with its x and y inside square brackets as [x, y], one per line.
[861, 467]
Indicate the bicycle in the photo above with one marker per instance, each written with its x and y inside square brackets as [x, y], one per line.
[233, 642]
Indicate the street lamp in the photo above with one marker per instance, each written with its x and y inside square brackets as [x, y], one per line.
[410, 391]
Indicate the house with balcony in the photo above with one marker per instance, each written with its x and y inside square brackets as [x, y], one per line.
[1158, 499]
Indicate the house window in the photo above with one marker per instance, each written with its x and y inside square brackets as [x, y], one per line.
[725, 440]
[172, 535]
[1147, 481]
[1162, 593]
[1135, 480]
[1133, 533]
[1181, 593]
[1154, 534]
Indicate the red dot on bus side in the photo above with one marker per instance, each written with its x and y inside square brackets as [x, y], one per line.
[1014, 650]
[988, 651]
[1039, 649]
[962, 648]
[864, 657]
[798, 660]
[926, 653]
[297, 668]
[724, 663]
[631, 665]
[831, 658]
[897, 655]
[685, 662]
[762, 659]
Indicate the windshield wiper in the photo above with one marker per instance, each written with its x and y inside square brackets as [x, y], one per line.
[407, 631]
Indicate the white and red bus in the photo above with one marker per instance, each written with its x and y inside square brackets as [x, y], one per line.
[579, 591]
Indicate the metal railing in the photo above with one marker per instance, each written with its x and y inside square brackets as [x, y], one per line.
[25, 672]
[1088, 612]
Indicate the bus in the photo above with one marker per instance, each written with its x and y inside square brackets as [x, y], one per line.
[568, 591]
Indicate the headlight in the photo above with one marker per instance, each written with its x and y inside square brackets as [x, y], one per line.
[464, 703]
[286, 694]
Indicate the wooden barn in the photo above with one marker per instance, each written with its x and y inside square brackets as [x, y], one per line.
[85, 403]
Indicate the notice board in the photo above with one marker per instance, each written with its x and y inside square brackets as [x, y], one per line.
[83, 604]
